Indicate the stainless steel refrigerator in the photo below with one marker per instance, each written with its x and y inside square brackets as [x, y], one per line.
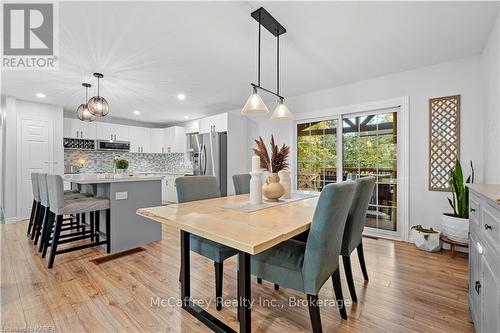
[210, 157]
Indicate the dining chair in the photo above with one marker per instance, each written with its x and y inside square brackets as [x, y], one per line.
[193, 188]
[35, 207]
[242, 183]
[353, 232]
[307, 266]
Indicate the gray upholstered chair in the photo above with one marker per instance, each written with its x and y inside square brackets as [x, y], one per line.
[242, 183]
[307, 266]
[61, 205]
[35, 207]
[353, 232]
[193, 188]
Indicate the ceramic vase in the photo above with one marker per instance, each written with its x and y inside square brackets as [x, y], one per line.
[272, 189]
[286, 182]
[426, 241]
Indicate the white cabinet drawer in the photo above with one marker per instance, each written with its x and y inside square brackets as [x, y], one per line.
[474, 209]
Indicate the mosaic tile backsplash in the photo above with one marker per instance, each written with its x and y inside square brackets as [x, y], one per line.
[99, 161]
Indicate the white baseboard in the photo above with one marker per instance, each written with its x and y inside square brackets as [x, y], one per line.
[11, 220]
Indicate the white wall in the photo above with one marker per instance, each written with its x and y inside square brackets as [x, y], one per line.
[14, 109]
[491, 72]
[457, 77]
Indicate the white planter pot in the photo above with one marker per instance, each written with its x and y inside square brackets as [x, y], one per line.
[455, 228]
[431, 244]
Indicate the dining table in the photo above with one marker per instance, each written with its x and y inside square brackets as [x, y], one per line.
[248, 231]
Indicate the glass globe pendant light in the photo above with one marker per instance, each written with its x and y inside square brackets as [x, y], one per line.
[98, 105]
[83, 113]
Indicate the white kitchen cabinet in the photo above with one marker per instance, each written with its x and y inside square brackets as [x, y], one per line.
[158, 142]
[115, 132]
[75, 128]
[175, 139]
[140, 139]
[217, 123]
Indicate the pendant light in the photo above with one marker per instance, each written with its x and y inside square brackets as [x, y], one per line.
[98, 105]
[255, 104]
[82, 112]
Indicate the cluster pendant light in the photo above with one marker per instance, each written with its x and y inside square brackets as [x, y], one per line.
[83, 113]
[95, 107]
[255, 104]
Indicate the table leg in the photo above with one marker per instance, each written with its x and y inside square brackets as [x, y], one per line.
[245, 295]
[206, 318]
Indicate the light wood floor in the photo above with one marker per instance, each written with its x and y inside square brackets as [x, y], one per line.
[408, 291]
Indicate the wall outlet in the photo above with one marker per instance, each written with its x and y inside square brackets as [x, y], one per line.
[121, 195]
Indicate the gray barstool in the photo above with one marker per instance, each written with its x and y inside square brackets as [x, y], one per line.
[353, 232]
[242, 183]
[60, 206]
[35, 206]
[45, 210]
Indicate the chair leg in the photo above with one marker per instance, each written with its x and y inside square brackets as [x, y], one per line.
[48, 233]
[40, 226]
[32, 216]
[55, 241]
[36, 221]
[361, 257]
[44, 230]
[92, 226]
[219, 268]
[276, 286]
[312, 303]
[348, 276]
[108, 230]
[259, 280]
[337, 287]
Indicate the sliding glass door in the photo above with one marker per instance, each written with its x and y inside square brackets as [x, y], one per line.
[351, 146]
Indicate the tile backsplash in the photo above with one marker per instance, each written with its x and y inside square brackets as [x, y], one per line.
[100, 161]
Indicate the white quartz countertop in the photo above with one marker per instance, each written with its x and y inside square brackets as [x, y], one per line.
[108, 178]
[490, 191]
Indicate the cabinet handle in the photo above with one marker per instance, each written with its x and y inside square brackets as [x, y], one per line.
[477, 287]
[488, 227]
[472, 210]
[111, 137]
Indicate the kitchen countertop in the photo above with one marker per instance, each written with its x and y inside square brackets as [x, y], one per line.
[489, 191]
[108, 178]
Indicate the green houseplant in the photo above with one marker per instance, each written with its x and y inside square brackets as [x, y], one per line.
[121, 165]
[456, 225]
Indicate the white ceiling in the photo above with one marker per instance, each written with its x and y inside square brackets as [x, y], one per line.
[149, 52]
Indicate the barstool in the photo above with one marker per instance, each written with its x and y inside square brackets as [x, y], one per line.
[60, 206]
[45, 210]
[36, 200]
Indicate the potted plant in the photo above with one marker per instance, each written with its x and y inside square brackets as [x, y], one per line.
[278, 161]
[121, 165]
[455, 225]
[426, 239]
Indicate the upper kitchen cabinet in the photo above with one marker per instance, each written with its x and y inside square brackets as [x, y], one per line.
[158, 142]
[217, 123]
[75, 128]
[114, 132]
[175, 139]
[140, 139]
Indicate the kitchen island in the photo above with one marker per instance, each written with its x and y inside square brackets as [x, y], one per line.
[126, 194]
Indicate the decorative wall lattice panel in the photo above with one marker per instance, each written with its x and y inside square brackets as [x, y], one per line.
[444, 140]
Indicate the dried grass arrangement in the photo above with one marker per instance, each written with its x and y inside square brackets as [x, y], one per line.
[279, 156]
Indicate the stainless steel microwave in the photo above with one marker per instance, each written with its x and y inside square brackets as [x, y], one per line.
[113, 145]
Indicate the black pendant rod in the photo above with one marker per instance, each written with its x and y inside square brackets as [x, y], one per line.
[278, 64]
[267, 90]
[258, 76]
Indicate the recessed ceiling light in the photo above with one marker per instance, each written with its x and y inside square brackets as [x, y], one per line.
[137, 112]
[186, 117]
[40, 95]
[181, 97]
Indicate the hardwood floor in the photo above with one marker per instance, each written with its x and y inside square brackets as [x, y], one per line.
[408, 291]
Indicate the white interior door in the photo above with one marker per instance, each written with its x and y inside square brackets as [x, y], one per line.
[36, 156]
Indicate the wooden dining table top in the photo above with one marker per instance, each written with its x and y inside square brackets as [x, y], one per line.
[252, 232]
